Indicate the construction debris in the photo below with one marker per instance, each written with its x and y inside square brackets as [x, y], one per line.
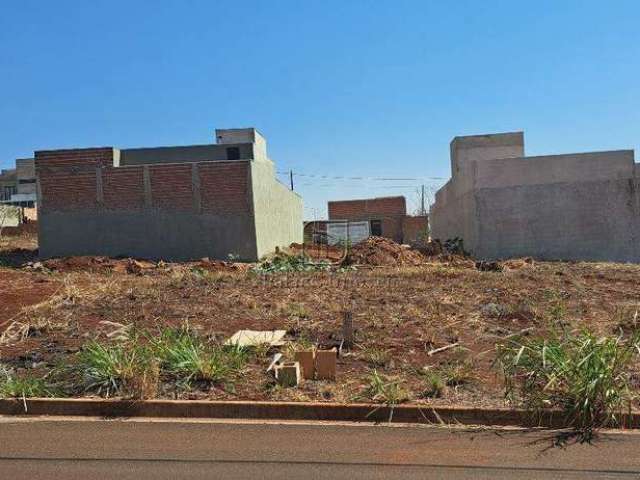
[306, 359]
[380, 251]
[288, 374]
[326, 364]
[442, 349]
[246, 338]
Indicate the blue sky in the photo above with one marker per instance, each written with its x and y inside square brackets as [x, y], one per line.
[340, 88]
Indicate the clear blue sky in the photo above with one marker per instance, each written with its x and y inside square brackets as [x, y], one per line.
[344, 88]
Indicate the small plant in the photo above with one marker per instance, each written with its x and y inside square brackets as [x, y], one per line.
[184, 355]
[23, 387]
[435, 385]
[457, 372]
[283, 263]
[377, 357]
[586, 376]
[381, 389]
[127, 369]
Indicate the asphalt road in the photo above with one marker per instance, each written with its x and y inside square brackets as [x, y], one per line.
[71, 449]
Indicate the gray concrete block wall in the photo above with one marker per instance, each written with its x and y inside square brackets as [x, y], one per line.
[278, 210]
[153, 234]
[557, 207]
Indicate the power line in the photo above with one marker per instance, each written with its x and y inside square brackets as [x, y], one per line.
[338, 177]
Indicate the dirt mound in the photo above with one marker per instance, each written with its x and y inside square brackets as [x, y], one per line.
[380, 251]
[97, 264]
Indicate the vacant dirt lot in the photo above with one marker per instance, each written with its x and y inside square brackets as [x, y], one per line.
[48, 312]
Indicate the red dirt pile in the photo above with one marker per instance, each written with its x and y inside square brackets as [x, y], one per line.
[380, 251]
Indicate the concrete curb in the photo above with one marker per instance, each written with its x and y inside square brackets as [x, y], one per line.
[354, 412]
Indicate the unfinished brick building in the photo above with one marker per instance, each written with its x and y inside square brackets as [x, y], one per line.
[174, 203]
[387, 217]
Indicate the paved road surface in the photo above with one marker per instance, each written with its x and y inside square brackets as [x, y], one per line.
[72, 449]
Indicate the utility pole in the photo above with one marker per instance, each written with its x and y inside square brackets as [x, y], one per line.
[422, 202]
[291, 178]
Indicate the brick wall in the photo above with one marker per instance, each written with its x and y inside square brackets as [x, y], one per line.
[85, 179]
[414, 229]
[367, 208]
[389, 210]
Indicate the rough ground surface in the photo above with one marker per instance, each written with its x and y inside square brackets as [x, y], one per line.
[400, 313]
[379, 251]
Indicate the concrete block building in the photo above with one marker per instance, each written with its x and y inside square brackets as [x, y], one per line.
[581, 206]
[387, 217]
[174, 203]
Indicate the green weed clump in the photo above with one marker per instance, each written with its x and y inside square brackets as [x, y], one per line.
[290, 263]
[189, 359]
[381, 389]
[586, 376]
[136, 367]
[24, 387]
[127, 369]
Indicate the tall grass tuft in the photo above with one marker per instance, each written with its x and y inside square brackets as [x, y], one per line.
[126, 369]
[586, 376]
[185, 356]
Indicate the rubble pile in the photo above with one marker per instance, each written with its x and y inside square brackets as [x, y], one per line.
[379, 251]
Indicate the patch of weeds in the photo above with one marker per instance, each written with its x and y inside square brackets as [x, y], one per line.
[457, 372]
[296, 310]
[382, 389]
[186, 357]
[435, 384]
[126, 369]
[376, 357]
[586, 376]
[24, 387]
[283, 263]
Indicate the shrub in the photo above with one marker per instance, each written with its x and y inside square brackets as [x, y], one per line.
[586, 376]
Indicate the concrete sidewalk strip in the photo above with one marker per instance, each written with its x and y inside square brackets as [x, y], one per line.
[354, 412]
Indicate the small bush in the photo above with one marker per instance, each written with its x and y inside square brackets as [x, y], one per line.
[586, 376]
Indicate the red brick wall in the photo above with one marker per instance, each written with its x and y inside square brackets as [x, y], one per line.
[123, 188]
[68, 181]
[171, 187]
[68, 177]
[367, 208]
[224, 187]
[390, 210]
[414, 228]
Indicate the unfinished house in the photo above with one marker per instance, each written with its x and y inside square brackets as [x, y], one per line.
[174, 203]
[387, 217]
[581, 206]
[18, 192]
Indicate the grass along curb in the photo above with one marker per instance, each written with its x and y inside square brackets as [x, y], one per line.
[355, 412]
